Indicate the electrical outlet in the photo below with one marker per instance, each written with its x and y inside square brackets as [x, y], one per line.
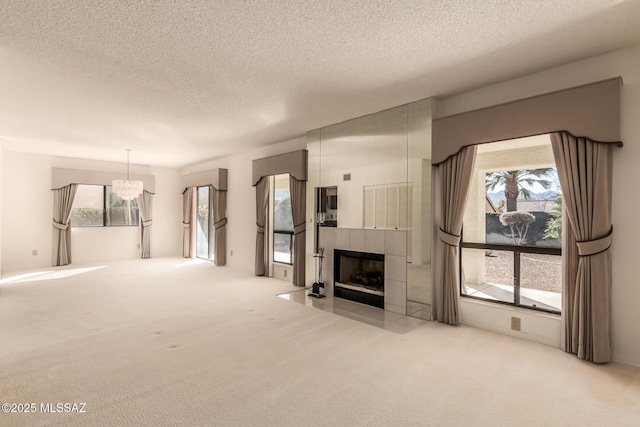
[34, 252]
[285, 273]
[231, 252]
[515, 323]
[138, 245]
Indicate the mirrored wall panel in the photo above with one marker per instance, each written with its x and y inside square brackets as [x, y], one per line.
[419, 234]
[369, 198]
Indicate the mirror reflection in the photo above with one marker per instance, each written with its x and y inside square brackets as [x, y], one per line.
[370, 195]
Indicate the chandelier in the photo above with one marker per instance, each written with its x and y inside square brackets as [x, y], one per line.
[127, 189]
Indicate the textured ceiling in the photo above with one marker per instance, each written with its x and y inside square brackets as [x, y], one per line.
[180, 82]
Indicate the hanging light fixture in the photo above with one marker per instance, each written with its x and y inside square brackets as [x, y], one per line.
[127, 189]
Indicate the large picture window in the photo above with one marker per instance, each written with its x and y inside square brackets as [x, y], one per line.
[99, 206]
[512, 230]
[282, 221]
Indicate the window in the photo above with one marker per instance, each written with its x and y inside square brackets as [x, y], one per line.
[512, 230]
[282, 221]
[88, 206]
[118, 211]
[203, 223]
[98, 206]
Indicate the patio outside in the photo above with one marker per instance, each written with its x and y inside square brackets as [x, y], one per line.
[540, 285]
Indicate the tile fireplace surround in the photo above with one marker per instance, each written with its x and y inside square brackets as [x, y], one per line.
[391, 243]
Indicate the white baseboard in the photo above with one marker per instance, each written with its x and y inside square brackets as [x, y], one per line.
[625, 360]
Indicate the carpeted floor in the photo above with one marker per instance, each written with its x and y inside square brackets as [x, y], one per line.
[173, 342]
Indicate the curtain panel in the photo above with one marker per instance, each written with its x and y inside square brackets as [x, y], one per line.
[569, 270]
[585, 172]
[187, 202]
[298, 191]
[219, 205]
[145, 203]
[454, 177]
[262, 200]
[62, 204]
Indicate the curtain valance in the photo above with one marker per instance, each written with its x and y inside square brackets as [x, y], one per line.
[217, 178]
[61, 177]
[293, 163]
[591, 111]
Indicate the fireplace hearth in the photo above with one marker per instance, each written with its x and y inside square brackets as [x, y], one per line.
[359, 276]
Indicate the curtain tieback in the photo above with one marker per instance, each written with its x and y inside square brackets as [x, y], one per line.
[185, 224]
[147, 223]
[595, 246]
[300, 228]
[220, 223]
[449, 239]
[260, 228]
[60, 226]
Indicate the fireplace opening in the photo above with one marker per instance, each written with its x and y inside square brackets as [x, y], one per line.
[359, 276]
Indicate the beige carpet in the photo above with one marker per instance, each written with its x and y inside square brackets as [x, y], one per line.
[157, 342]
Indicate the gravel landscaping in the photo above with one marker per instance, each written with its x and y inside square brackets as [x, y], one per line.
[540, 272]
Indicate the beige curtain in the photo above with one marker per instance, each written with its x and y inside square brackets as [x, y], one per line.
[298, 191]
[211, 235]
[145, 203]
[219, 206]
[262, 199]
[187, 202]
[454, 176]
[62, 204]
[569, 270]
[585, 173]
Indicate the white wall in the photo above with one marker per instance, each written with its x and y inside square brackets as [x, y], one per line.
[166, 237]
[241, 199]
[27, 203]
[626, 292]
[283, 272]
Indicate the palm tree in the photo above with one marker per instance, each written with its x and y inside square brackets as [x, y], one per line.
[518, 183]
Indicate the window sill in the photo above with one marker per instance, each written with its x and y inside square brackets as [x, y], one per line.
[512, 308]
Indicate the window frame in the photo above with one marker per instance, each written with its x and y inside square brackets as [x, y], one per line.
[104, 211]
[291, 237]
[517, 251]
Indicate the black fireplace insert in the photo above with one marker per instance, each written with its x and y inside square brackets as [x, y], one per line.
[359, 276]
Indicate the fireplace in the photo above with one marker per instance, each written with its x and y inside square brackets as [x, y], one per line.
[359, 276]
